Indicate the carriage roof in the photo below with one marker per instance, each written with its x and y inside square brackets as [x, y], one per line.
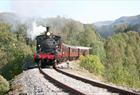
[77, 47]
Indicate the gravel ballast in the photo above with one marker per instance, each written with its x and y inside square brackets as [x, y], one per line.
[31, 82]
[79, 85]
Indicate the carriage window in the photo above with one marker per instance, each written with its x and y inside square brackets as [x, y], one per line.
[66, 49]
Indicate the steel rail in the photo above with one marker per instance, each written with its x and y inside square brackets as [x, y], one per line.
[65, 87]
[99, 84]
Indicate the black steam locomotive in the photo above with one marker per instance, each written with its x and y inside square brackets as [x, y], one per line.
[48, 48]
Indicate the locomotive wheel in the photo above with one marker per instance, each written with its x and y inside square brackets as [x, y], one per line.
[39, 63]
[55, 63]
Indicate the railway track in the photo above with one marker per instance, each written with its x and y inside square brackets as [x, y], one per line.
[72, 91]
[65, 88]
[98, 84]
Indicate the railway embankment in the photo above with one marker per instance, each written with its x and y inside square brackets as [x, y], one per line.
[32, 82]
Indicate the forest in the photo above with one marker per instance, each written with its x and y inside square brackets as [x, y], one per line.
[115, 58]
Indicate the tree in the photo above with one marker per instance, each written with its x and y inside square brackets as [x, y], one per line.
[121, 27]
[5, 27]
[90, 38]
[122, 60]
[13, 52]
[21, 32]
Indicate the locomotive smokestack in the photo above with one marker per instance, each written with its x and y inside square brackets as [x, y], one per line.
[47, 28]
[47, 33]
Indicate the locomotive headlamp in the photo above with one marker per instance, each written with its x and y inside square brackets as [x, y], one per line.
[48, 33]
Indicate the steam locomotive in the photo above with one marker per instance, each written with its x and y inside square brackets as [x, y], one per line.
[50, 50]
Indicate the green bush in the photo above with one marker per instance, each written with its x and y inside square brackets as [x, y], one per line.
[4, 85]
[92, 63]
[123, 74]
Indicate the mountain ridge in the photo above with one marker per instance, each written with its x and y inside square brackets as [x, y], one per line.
[129, 23]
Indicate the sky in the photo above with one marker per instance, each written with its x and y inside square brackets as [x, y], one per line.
[85, 11]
